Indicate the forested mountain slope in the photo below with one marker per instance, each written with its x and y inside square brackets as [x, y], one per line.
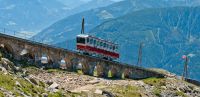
[69, 27]
[167, 34]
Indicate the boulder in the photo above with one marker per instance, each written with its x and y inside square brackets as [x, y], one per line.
[3, 70]
[25, 73]
[49, 82]
[54, 85]
[44, 95]
[164, 87]
[1, 56]
[7, 64]
[93, 82]
[18, 69]
[33, 81]
[98, 92]
[18, 84]
[108, 94]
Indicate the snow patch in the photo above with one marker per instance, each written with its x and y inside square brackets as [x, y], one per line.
[11, 23]
[25, 34]
[105, 15]
[191, 55]
[66, 8]
[61, 33]
[192, 39]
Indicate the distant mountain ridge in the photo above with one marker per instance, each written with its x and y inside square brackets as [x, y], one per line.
[90, 5]
[71, 4]
[69, 27]
[34, 15]
[29, 15]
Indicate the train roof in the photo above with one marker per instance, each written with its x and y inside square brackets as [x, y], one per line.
[83, 35]
[86, 35]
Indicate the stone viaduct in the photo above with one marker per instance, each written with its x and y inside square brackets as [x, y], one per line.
[35, 50]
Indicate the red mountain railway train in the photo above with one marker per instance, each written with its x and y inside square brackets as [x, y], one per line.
[94, 46]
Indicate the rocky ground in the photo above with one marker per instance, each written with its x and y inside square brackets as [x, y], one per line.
[92, 86]
[36, 82]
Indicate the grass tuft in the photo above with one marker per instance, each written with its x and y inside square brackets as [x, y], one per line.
[125, 91]
[1, 94]
[155, 81]
[8, 82]
[57, 94]
[80, 72]
[95, 73]
[180, 93]
[109, 74]
[157, 92]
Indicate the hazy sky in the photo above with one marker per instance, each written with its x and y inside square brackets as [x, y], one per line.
[112, 0]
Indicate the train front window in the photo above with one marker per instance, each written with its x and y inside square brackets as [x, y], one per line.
[80, 40]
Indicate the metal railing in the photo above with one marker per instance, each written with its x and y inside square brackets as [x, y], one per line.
[25, 36]
[31, 38]
[14, 33]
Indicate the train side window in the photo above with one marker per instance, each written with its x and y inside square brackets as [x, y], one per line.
[94, 42]
[110, 47]
[101, 44]
[104, 45]
[88, 40]
[116, 48]
[80, 40]
[91, 41]
[97, 43]
[107, 46]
